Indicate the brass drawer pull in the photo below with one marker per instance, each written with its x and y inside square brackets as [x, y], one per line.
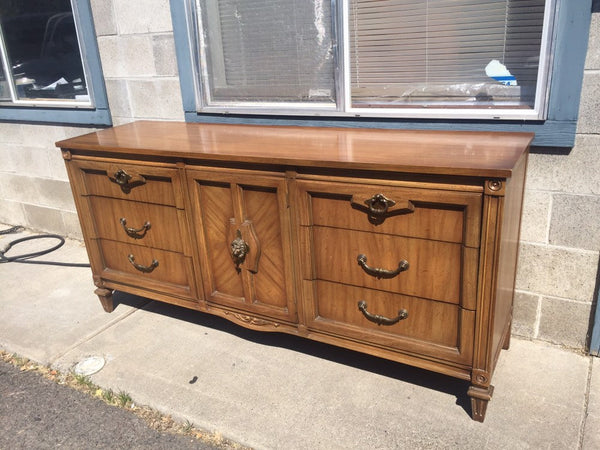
[378, 208]
[378, 272]
[135, 233]
[127, 181]
[381, 320]
[145, 269]
[379, 204]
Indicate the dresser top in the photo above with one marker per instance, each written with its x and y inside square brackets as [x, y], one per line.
[485, 154]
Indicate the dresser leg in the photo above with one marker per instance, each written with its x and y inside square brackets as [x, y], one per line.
[506, 343]
[479, 399]
[106, 298]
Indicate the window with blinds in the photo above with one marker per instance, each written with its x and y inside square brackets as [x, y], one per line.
[406, 58]
[268, 51]
[435, 52]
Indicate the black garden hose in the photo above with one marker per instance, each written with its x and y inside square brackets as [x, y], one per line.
[26, 258]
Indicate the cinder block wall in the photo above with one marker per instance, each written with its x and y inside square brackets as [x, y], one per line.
[560, 233]
[560, 236]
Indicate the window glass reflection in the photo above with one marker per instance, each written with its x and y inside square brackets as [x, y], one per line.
[43, 50]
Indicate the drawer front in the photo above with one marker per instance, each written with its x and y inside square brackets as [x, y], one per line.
[437, 329]
[447, 216]
[152, 268]
[415, 267]
[140, 183]
[144, 224]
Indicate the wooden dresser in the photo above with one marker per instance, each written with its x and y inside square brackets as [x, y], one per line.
[400, 244]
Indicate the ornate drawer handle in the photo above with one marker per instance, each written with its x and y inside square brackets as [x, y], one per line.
[378, 208]
[378, 272]
[381, 320]
[145, 269]
[379, 204]
[239, 250]
[135, 233]
[127, 181]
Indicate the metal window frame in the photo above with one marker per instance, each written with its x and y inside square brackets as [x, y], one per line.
[343, 105]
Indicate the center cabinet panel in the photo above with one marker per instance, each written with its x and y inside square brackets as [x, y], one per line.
[244, 235]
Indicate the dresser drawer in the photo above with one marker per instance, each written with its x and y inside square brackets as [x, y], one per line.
[438, 329]
[160, 270]
[422, 213]
[415, 267]
[148, 184]
[144, 224]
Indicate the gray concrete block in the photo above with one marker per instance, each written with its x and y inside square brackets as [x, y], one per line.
[149, 16]
[104, 17]
[590, 104]
[72, 226]
[118, 98]
[536, 215]
[11, 213]
[575, 221]
[575, 172]
[44, 219]
[165, 60]
[43, 136]
[54, 194]
[564, 322]
[156, 99]
[127, 56]
[58, 170]
[557, 272]
[9, 158]
[26, 160]
[593, 54]
[19, 188]
[11, 133]
[525, 311]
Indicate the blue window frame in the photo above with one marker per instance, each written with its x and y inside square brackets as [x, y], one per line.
[82, 100]
[570, 37]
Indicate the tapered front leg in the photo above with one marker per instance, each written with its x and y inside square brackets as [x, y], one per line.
[106, 298]
[480, 397]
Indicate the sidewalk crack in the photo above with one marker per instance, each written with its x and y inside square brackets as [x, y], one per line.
[586, 404]
[53, 360]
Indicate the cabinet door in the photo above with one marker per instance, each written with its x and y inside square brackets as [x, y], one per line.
[243, 231]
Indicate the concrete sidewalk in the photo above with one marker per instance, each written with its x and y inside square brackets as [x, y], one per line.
[278, 391]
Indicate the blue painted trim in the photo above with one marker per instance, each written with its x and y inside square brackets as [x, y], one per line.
[595, 342]
[183, 50]
[92, 54]
[571, 37]
[97, 116]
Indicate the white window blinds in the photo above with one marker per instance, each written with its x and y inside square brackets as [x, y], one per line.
[435, 52]
[268, 51]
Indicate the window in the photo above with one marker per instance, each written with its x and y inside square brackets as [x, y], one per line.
[497, 65]
[44, 63]
[416, 58]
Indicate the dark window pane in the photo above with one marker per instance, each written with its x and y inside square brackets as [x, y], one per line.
[43, 50]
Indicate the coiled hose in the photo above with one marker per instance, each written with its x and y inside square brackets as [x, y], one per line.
[26, 258]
